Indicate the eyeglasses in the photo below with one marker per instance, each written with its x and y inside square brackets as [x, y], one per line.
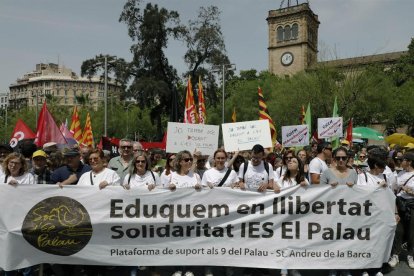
[140, 161]
[362, 156]
[288, 158]
[95, 159]
[188, 159]
[341, 158]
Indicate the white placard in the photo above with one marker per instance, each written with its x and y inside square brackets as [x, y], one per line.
[189, 137]
[330, 127]
[293, 136]
[319, 227]
[244, 135]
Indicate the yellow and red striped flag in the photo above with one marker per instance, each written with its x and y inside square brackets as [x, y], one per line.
[302, 115]
[87, 136]
[233, 116]
[190, 112]
[75, 127]
[264, 115]
[202, 116]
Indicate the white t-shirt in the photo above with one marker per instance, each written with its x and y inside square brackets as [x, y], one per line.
[402, 178]
[255, 175]
[107, 175]
[165, 179]
[26, 178]
[280, 172]
[215, 176]
[286, 183]
[317, 166]
[185, 181]
[370, 179]
[142, 180]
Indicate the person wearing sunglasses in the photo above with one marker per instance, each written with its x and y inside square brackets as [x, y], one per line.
[318, 164]
[99, 175]
[339, 173]
[140, 174]
[184, 175]
[287, 156]
[121, 163]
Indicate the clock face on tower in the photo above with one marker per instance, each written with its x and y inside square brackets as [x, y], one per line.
[286, 58]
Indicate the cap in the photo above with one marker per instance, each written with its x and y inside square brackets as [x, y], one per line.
[39, 153]
[409, 156]
[71, 152]
[49, 144]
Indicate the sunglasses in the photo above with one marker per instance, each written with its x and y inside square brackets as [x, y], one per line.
[288, 158]
[188, 159]
[140, 161]
[341, 158]
[362, 156]
[94, 159]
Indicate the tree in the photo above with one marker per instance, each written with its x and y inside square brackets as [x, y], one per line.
[206, 48]
[403, 71]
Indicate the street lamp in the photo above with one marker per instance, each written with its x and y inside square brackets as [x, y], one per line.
[127, 109]
[223, 68]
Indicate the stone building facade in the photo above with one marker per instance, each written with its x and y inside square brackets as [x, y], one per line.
[62, 84]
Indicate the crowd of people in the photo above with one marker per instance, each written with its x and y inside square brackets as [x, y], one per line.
[255, 170]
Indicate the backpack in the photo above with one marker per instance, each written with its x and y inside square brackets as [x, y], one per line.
[266, 166]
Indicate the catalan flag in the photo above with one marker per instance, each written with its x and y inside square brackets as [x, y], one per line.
[201, 103]
[302, 115]
[264, 115]
[75, 127]
[190, 112]
[87, 136]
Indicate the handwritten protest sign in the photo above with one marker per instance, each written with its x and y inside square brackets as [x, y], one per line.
[202, 137]
[293, 136]
[330, 127]
[244, 135]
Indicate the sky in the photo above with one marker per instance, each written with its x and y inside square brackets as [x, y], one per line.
[71, 31]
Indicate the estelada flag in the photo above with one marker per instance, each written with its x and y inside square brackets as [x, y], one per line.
[190, 112]
[47, 130]
[75, 127]
[201, 103]
[21, 131]
[87, 135]
[264, 115]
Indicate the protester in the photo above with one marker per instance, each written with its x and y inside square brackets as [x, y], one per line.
[169, 168]
[39, 170]
[304, 158]
[201, 168]
[136, 148]
[5, 150]
[287, 155]
[85, 152]
[50, 147]
[70, 173]
[339, 173]
[294, 174]
[157, 162]
[318, 164]
[121, 163]
[237, 162]
[140, 174]
[184, 176]
[405, 210]
[99, 175]
[220, 175]
[256, 174]
[15, 170]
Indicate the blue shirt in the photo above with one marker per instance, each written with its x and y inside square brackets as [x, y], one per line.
[63, 173]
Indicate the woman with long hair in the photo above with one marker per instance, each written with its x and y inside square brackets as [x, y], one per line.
[140, 174]
[99, 175]
[294, 174]
[304, 158]
[339, 173]
[287, 155]
[16, 171]
[184, 175]
[169, 168]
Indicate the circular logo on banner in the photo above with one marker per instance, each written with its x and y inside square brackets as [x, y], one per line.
[58, 225]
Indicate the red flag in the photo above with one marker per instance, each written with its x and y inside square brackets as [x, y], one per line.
[67, 134]
[201, 103]
[264, 115]
[190, 112]
[21, 131]
[349, 132]
[47, 130]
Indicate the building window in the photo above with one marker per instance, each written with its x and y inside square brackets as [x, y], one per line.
[287, 33]
[295, 31]
[280, 32]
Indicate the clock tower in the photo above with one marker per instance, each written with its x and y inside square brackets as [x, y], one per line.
[293, 39]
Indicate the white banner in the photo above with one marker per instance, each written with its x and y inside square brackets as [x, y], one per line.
[330, 127]
[295, 136]
[244, 135]
[319, 227]
[202, 137]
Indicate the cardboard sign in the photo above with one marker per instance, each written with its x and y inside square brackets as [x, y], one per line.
[330, 127]
[293, 136]
[189, 137]
[244, 135]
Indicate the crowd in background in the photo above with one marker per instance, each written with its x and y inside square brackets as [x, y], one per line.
[256, 170]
